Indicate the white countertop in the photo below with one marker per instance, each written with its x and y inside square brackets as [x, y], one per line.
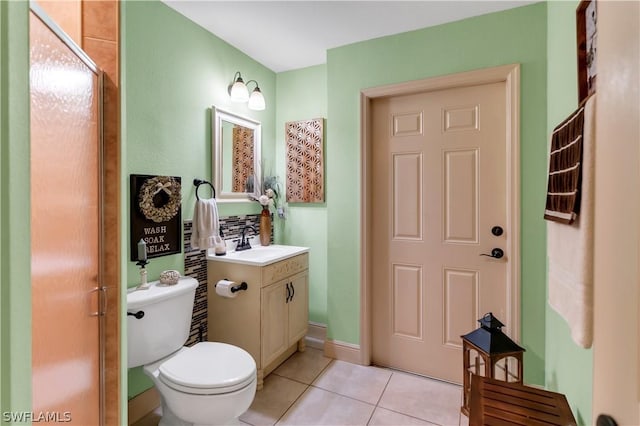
[258, 255]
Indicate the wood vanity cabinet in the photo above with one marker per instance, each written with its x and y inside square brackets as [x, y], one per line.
[270, 319]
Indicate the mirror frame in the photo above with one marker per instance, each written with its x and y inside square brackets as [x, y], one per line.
[219, 115]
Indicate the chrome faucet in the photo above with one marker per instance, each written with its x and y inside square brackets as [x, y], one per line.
[243, 244]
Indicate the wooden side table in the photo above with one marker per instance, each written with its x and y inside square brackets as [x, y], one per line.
[494, 402]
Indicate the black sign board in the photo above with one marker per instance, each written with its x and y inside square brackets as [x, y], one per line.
[156, 215]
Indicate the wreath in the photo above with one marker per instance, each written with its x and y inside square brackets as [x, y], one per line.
[159, 198]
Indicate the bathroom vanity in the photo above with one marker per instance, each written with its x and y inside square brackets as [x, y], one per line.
[270, 318]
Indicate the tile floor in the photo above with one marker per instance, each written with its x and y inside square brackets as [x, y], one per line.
[310, 389]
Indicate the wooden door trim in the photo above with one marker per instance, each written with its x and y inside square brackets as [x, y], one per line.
[510, 75]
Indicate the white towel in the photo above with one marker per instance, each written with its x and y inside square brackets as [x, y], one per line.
[570, 249]
[206, 228]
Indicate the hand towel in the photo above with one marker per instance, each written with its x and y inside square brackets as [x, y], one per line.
[206, 228]
[570, 249]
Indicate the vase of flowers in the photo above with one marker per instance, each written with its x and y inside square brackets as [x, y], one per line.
[265, 227]
[268, 200]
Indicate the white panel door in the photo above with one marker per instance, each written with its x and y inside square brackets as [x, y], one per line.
[439, 187]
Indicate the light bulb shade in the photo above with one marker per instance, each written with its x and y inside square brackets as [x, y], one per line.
[239, 91]
[256, 100]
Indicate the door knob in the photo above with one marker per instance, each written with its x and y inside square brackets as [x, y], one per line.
[605, 420]
[497, 231]
[496, 253]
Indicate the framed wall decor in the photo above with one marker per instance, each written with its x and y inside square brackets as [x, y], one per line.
[156, 214]
[305, 160]
[586, 37]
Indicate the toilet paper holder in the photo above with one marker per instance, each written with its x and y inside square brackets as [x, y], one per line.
[239, 287]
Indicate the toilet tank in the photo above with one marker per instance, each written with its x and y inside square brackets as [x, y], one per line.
[166, 322]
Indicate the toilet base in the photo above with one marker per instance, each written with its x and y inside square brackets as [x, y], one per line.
[170, 419]
[187, 409]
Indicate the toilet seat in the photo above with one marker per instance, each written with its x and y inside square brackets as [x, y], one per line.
[209, 368]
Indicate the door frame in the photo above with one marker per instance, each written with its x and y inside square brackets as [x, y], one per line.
[510, 75]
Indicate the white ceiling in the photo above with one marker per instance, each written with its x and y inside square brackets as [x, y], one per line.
[285, 35]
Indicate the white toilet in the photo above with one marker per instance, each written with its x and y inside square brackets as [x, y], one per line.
[205, 384]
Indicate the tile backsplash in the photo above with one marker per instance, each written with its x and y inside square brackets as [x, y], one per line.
[195, 265]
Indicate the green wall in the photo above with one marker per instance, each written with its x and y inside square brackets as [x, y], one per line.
[173, 71]
[517, 35]
[568, 367]
[15, 260]
[170, 81]
[171, 78]
[302, 94]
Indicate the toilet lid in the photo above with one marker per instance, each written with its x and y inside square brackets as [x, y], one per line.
[209, 367]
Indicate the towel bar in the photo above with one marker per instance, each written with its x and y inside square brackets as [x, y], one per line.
[198, 182]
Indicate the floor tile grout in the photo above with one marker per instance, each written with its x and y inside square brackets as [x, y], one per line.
[292, 404]
[344, 396]
[380, 398]
[303, 392]
[321, 371]
[290, 378]
[385, 388]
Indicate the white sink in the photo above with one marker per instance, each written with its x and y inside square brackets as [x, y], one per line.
[258, 255]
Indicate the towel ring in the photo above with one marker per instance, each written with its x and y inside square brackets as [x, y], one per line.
[198, 182]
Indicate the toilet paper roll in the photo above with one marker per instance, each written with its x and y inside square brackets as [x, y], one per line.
[223, 288]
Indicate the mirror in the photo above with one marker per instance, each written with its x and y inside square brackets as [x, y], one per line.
[236, 154]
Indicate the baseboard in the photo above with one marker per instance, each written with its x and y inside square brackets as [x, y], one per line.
[343, 351]
[142, 404]
[316, 335]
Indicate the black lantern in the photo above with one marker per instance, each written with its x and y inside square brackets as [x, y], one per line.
[488, 352]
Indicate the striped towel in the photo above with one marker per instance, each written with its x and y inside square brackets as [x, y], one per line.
[565, 170]
[570, 248]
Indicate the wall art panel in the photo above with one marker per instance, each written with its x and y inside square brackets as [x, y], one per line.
[305, 161]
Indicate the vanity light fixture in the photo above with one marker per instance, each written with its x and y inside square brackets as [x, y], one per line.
[240, 93]
[238, 90]
[256, 100]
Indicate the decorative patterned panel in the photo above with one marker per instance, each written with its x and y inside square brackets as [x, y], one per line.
[242, 157]
[305, 164]
[461, 196]
[407, 301]
[465, 118]
[407, 196]
[280, 270]
[460, 304]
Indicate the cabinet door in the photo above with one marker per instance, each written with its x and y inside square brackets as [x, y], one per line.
[298, 307]
[274, 321]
